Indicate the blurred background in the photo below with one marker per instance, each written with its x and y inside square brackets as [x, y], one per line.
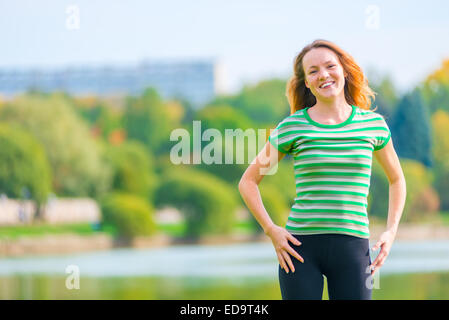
[92, 205]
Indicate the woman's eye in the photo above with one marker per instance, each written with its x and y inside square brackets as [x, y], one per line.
[312, 71]
[332, 66]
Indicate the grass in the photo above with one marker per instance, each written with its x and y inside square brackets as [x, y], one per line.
[44, 229]
[173, 229]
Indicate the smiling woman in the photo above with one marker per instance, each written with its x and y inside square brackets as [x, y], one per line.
[321, 62]
[332, 135]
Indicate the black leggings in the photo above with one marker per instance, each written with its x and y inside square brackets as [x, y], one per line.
[343, 259]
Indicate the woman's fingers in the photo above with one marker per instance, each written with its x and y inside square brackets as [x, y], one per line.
[284, 251]
[290, 249]
[377, 245]
[286, 259]
[293, 239]
[282, 262]
[379, 261]
[294, 253]
[289, 260]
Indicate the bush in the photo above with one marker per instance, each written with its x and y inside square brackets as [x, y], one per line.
[128, 214]
[132, 169]
[208, 204]
[23, 165]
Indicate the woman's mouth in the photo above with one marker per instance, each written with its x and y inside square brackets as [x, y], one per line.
[327, 84]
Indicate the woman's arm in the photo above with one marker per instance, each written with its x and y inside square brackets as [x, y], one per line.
[265, 161]
[263, 164]
[389, 161]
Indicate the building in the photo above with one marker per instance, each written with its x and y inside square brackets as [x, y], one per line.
[194, 81]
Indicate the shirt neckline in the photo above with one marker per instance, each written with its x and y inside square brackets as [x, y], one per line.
[338, 125]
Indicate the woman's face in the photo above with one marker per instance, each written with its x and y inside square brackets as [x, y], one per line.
[321, 67]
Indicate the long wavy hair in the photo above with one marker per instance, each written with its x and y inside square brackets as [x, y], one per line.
[357, 91]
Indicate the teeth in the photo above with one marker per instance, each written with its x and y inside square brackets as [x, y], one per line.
[327, 84]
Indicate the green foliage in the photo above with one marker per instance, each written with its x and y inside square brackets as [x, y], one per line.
[265, 103]
[222, 117]
[435, 89]
[23, 165]
[102, 117]
[130, 215]
[421, 201]
[386, 94]
[418, 183]
[440, 148]
[208, 204]
[132, 169]
[410, 129]
[147, 120]
[75, 157]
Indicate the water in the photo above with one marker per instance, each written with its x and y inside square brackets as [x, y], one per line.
[413, 270]
[236, 260]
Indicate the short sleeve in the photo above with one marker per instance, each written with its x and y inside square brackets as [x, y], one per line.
[383, 135]
[283, 137]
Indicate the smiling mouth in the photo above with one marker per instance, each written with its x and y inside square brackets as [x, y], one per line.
[327, 85]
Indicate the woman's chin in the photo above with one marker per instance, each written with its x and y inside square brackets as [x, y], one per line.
[330, 95]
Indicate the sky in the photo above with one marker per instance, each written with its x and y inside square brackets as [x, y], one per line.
[250, 40]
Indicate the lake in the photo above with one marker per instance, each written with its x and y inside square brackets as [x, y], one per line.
[413, 270]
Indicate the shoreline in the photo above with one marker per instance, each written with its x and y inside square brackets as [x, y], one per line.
[73, 243]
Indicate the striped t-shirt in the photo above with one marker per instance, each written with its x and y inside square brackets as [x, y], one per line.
[332, 165]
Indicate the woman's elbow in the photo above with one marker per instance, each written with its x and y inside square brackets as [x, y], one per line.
[243, 183]
[245, 180]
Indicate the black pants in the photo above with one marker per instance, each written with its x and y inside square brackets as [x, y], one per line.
[343, 259]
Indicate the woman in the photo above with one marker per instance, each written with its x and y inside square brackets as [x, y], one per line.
[331, 135]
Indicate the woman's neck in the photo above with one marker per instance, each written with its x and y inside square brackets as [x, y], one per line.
[335, 111]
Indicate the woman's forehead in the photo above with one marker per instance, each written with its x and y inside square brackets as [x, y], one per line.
[318, 56]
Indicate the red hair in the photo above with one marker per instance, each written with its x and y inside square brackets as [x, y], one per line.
[357, 91]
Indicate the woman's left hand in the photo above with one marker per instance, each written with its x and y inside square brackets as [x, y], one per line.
[385, 242]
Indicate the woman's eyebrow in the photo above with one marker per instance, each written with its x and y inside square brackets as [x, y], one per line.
[329, 61]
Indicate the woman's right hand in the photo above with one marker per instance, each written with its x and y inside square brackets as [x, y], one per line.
[280, 237]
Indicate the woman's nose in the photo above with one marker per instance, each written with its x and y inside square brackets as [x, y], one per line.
[323, 75]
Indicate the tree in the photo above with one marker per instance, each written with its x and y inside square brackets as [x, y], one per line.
[224, 119]
[410, 129]
[132, 168]
[74, 155]
[207, 203]
[421, 198]
[23, 166]
[440, 125]
[386, 94]
[147, 120]
[264, 103]
[435, 89]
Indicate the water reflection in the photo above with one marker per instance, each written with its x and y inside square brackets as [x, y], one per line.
[236, 260]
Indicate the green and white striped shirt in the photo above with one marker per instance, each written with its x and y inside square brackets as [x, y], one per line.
[332, 165]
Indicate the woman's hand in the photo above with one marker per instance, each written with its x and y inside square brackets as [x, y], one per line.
[279, 236]
[385, 242]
